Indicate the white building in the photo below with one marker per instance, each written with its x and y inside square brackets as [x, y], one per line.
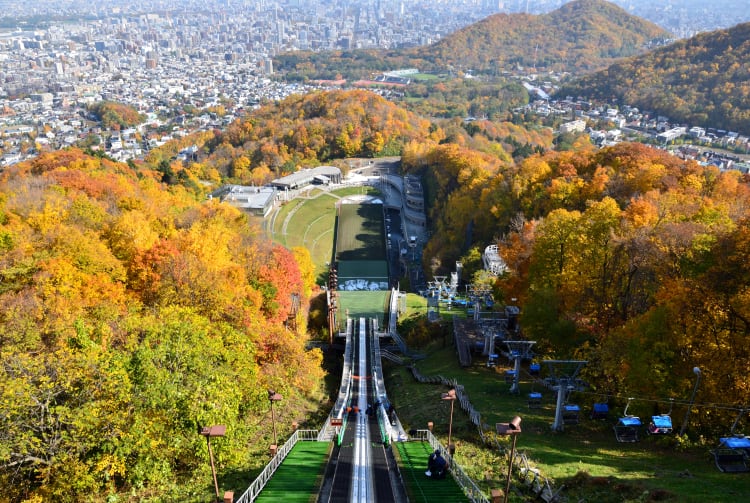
[577, 126]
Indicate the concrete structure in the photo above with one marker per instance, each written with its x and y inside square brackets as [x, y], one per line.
[255, 200]
[322, 175]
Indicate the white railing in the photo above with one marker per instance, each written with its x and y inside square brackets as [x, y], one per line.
[469, 487]
[339, 408]
[260, 482]
[379, 389]
[346, 376]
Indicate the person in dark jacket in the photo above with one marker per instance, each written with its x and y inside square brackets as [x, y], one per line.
[436, 465]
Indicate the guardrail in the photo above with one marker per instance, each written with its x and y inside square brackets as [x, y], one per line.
[346, 376]
[342, 429]
[260, 482]
[469, 487]
[386, 430]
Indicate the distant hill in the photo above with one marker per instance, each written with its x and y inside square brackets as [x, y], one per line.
[704, 80]
[583, 35]
[580, 36]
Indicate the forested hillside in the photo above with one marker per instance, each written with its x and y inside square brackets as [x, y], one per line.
[131, 315]
[580, 36]
[315, 128]
[135, 311]
[702, 81]
[627, 257]
[327, 127]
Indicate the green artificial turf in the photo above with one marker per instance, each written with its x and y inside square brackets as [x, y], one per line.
[363, 304]
[298, 477]
[412, 459]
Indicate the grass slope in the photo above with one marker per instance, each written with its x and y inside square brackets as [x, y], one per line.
[360, 232]
[309, 222]
[586, 458]
[363, 304]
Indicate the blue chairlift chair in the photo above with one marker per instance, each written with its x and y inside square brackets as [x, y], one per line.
[733, 453]
[571, 414]
[662, 423]
[535, 368]
[600, 411]
[628, 426]
[492, 360]
[535, 400]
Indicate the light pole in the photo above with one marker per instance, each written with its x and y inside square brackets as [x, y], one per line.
[273, 397]
[451, 395]
[213, 431]
[697, 372]
[513, 429]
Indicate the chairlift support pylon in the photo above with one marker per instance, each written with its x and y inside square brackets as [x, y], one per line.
[563, 374]
[518, 350]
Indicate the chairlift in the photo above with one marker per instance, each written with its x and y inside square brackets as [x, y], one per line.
[733, 453]
[600, 411]
[492, 360]
[661, 424]
[571, 414]
[535, 368]
[535, 400]
[628, 426]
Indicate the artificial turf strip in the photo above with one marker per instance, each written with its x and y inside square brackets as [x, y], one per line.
[420, 488]
[298, 477]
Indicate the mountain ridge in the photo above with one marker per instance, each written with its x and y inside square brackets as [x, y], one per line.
[703, 80]
[582, 35]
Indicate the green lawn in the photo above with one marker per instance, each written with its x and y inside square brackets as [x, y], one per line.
[613, 471]
[360, 234]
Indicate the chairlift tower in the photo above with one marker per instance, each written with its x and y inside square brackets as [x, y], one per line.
[477, 294]
[518, 350]
[489, 338]
[563, 378]
[440, 284]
